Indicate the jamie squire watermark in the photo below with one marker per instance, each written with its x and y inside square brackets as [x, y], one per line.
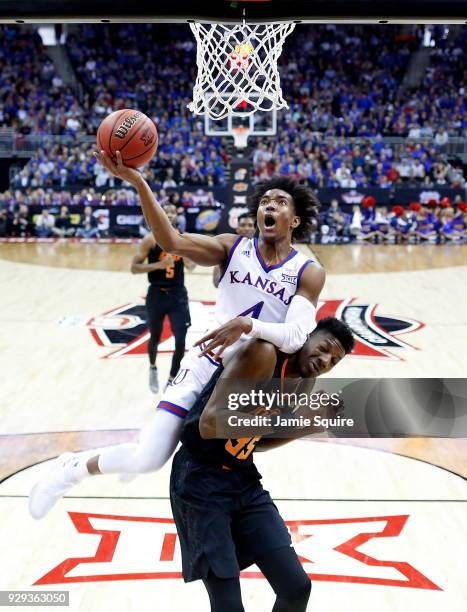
[343, 407]
[286, 410]
[279, 420]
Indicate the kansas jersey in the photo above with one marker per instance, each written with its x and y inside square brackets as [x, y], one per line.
[247, 287]
[172, 276]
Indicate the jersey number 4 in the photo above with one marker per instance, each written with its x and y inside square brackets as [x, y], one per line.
[254, 311]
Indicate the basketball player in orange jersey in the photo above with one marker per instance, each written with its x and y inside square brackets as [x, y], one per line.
[225, 520]
[246, 228]
[267, 290]
[167, 295]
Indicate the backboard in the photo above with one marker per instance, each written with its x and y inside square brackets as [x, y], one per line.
[319, 11]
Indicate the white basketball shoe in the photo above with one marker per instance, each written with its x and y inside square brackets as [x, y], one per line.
[56, 483]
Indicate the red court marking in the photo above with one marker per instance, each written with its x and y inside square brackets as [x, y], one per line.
[109, 541]
[168, 547]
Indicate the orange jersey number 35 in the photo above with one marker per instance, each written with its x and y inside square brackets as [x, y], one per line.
[243, 447]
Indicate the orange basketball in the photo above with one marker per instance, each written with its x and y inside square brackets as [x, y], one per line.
[130, 132]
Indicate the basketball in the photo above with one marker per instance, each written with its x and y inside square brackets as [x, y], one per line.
[132, 133]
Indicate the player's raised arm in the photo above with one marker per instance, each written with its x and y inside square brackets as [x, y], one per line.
[202, 250]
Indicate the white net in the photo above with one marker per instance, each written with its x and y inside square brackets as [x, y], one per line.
[235, 61]
[240, 135]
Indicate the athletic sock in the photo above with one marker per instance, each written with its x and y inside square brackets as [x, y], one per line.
[79, 468]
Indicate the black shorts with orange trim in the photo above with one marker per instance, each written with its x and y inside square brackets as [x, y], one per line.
[225, 519]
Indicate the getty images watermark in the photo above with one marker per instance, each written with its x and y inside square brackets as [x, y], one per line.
[260, 411]
[344, 407]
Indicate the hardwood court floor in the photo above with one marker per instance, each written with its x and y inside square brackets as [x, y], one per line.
[337, 259]
[60, 391]
[55, 377]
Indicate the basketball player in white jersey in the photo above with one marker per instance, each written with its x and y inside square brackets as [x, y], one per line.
[267, 290]
[246, 228]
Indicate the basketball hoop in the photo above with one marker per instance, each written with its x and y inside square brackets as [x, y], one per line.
[240, 135]
[235, 61]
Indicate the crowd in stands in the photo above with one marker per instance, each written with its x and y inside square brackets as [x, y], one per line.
[346, 81]
[61, 166]
[151, 68]
[434, 221]
[39, 196]
[20, 224]
[33, 98]
[18, 218]
[437, 221]
[338, 162]
[118, 67]
[339, 81]
[121, 196]
[333, 163]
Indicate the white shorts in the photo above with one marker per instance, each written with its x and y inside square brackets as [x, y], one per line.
[185, 388]
[194, 374]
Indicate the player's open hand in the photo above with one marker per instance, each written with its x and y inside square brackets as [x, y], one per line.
[117, 168]
[224, 336]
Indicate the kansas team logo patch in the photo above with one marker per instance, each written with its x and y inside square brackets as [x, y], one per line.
[124, 331]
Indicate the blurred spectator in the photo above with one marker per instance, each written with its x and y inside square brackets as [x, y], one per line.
[63, 227]
[20, 224]
[369, 162]
[335, 221]
[441, 137]
[169, 180]
[401, 224]
[382, 224]
[4, 222]
[440, 172]
[88, 225]
[355, 221]
[418, 170]
[45, 223]
[181, 219]
[452, 224]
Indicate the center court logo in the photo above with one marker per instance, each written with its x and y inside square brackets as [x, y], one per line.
[124, 329]
[146, 548]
